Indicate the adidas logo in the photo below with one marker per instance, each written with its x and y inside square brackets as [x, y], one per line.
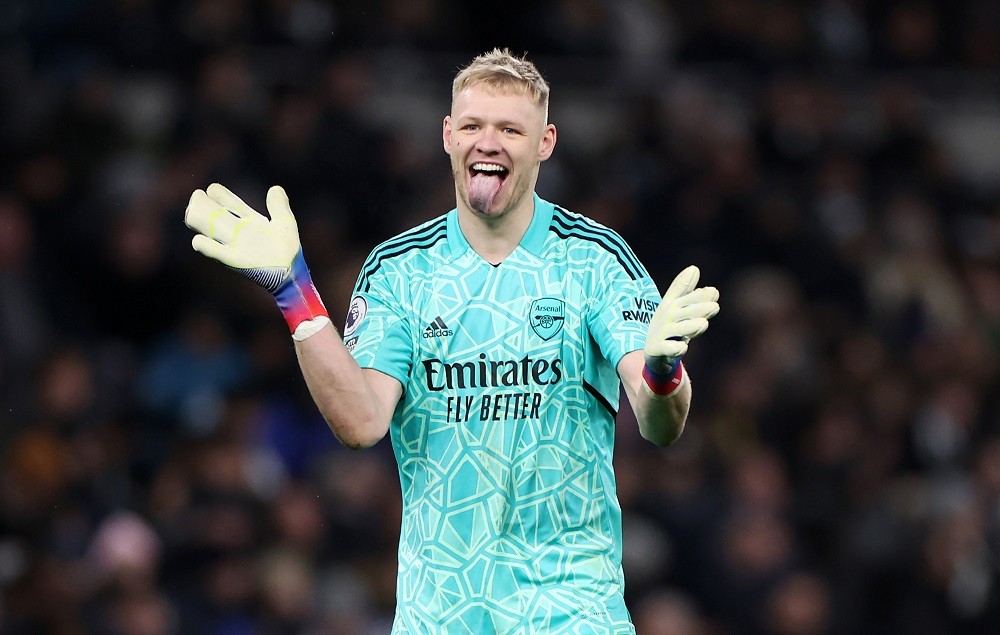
[438, 328]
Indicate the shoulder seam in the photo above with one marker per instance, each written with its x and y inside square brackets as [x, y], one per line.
[410, 234]
[567, 225]
[418, 238]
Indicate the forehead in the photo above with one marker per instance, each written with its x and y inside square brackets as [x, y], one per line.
[484, 102]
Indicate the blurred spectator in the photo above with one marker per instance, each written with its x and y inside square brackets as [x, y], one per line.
[24, 323]
[669, 613]
[190, 371]
[799, 605]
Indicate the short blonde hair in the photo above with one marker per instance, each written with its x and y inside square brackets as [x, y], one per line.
[501, 70]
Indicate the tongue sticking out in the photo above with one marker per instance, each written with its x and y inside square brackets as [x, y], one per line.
[483, 189]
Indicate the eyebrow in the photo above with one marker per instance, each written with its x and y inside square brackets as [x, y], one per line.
[503, 123]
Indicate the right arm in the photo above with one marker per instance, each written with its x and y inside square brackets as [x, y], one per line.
[357, 403]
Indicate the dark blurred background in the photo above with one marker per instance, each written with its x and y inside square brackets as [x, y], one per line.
[833, 166]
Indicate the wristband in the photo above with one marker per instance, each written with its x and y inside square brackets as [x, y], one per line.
[664, 385]
[297, 296]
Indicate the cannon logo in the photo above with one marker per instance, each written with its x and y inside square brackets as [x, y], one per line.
[546, 317]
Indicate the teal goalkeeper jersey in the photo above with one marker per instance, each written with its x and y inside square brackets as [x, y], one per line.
[505, 431]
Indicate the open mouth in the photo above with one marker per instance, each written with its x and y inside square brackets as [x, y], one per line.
[488, 169]
[485, 182]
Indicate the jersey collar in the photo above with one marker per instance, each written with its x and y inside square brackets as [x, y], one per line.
[532, 241]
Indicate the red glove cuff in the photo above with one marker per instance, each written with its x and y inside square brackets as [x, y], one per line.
[663, 385]
[297, 296]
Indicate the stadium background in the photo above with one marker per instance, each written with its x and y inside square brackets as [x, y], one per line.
[832, 166]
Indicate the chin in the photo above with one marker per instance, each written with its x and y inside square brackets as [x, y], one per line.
[480, 209]
[495, 212]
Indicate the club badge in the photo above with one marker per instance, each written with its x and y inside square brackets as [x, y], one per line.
[546, 317]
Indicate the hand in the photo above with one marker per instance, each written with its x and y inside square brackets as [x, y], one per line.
[264, 250]
[237, 236]
[683, 314]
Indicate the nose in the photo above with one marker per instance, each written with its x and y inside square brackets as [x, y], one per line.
[489, 141]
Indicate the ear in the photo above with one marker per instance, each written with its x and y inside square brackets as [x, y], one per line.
[446, 133]
[547, 143]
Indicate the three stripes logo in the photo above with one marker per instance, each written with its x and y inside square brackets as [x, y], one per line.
[437, 328]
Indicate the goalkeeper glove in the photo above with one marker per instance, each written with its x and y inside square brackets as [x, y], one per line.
[683, 314]
[265, 251]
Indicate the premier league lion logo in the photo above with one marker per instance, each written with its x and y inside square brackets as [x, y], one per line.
[357, 313]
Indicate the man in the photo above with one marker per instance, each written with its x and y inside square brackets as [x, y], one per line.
[491, 344]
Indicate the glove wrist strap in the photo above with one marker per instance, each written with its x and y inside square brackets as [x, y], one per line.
[297, 297]
[664, 385]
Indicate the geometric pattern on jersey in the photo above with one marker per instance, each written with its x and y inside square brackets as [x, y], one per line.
[505, 432]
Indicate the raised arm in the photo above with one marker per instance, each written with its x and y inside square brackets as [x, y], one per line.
[655, 380]
[356, 403]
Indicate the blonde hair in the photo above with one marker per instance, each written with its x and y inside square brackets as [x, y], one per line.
[501, 70]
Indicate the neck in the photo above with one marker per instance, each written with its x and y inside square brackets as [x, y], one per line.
[495, 238]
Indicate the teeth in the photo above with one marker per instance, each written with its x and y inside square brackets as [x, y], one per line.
[488, 167]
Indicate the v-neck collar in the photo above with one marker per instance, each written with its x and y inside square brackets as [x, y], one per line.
[532, 240]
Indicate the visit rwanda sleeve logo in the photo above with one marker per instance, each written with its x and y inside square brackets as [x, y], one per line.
[547, 316]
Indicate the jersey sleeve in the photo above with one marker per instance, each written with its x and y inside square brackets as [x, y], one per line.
[377, 331]
[624, 300]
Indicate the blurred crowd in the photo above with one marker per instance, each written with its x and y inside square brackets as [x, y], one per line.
[832, 166]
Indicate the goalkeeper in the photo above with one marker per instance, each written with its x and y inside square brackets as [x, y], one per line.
[491, 344]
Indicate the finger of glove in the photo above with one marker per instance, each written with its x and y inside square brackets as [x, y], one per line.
[213, 249]
[224, 197]
[278, 206]
[703, 294]
[665, 348]
[206, 216]
[699, 310]
[688, 329]
[678, 321]
[684, 283]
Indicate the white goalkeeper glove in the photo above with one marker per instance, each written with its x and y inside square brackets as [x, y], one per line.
[683, 314]
[264, 250]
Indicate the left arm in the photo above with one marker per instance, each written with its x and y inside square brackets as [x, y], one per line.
[661, 418]
[655, 380]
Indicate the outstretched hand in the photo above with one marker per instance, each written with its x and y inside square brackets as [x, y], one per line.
[236, 235]
[683, 314]
[265, 250]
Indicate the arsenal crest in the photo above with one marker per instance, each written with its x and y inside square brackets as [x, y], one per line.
[546, 316]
